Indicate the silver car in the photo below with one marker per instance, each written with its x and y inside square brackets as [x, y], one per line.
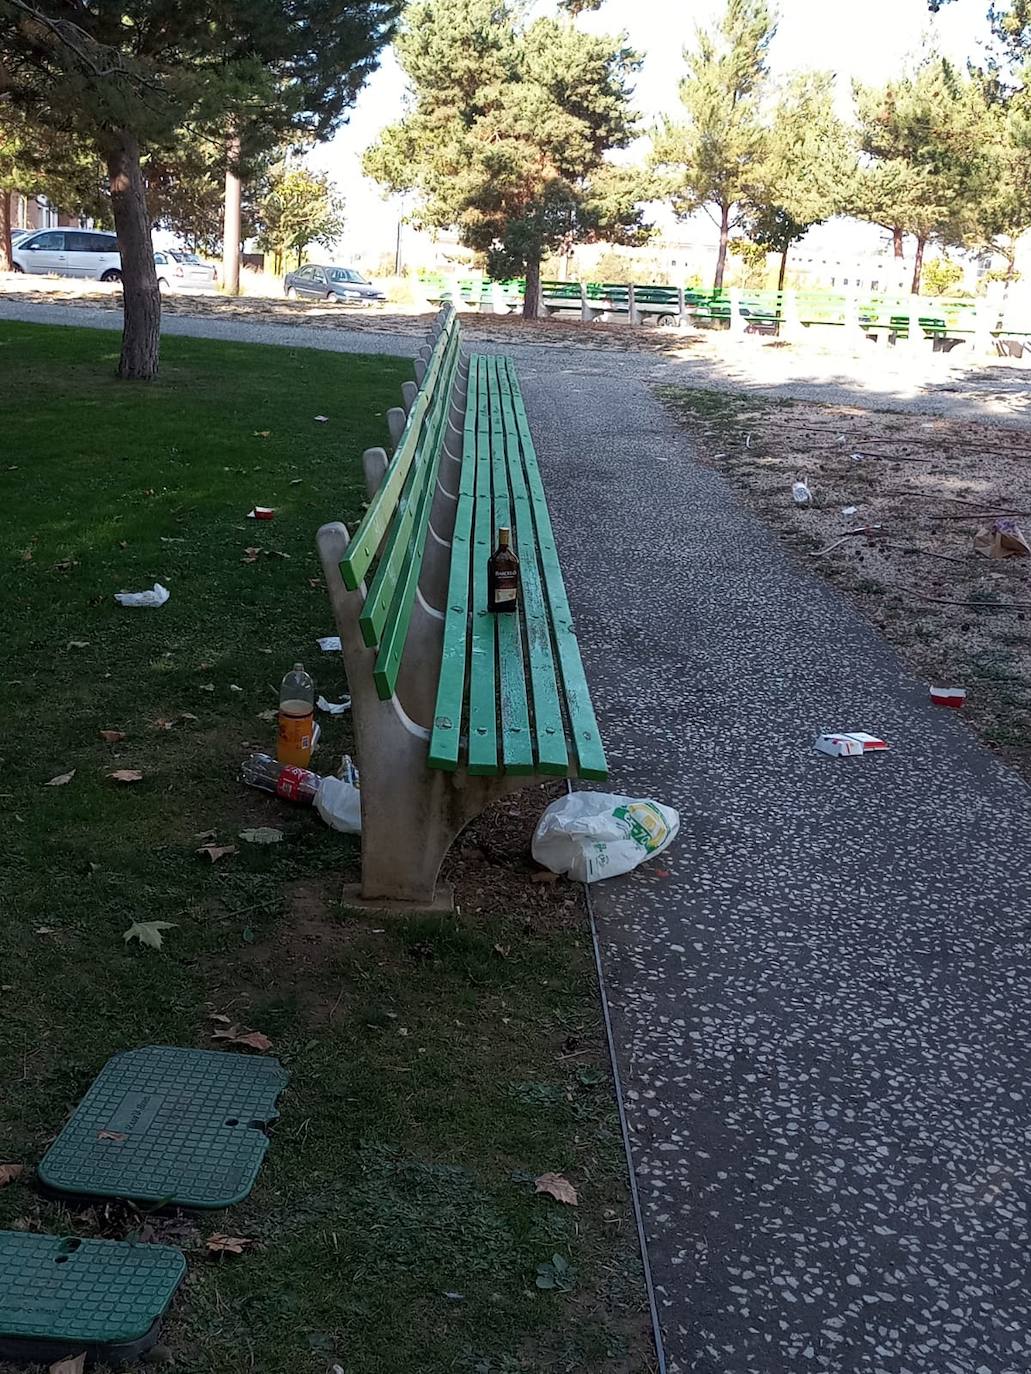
[177, 269]
[343, 284]
[69, 253]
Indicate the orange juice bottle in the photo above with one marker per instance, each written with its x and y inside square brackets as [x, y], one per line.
[296, 718]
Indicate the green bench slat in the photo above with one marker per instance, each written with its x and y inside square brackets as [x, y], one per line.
[369, 535]
[388, 661]
[483, 726]
[397, 556]
[549, 729]
[582, 720]
[517, 744]
[446, 738]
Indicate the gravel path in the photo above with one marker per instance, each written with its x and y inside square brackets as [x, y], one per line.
[882, 379]
[821, 993]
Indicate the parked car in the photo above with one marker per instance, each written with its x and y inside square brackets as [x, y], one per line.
[331, 284]
[70, 253]
[18, 234]
[176, 268]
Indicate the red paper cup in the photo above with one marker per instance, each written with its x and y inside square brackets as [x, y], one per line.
[949, 696]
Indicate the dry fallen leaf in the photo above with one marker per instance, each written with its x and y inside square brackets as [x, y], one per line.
[254, 1039]
[161, 724]
[217, 851]
[270, 716]
[148, 932]
[186, 715]
[73, 1364]
[112, 1135]
[250, 555]
[557, 1187]
[126, 775]
[228, 1245]
[264, 834]
[9, 1172]
[60, 780]
[112, 736]
[205, 835]
[78, 644]
[262, 433]
[207, 687]
[217, 1016]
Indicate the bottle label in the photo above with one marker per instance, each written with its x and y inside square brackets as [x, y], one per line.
[294, 738]
[290, 782]
[503, 594]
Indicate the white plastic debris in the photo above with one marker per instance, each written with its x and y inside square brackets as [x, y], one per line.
[157, 596]
[339, 800]
[591, 835]
[333, 708]
[850, 745]
[321, 419]
[801, 494]
[330, 644]
[849, 510]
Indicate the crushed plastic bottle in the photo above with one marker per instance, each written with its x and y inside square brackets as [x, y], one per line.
[282, 780]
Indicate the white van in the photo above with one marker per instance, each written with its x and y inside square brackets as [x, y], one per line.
[70, 253]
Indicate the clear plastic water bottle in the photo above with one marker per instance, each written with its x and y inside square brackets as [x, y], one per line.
[296, 735]
[282, 780]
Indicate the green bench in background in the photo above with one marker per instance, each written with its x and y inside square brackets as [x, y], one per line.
[453, 707]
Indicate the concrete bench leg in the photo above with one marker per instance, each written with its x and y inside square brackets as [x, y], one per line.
[410, 813]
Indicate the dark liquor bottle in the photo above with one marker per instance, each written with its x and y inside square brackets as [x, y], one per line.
[503, 575]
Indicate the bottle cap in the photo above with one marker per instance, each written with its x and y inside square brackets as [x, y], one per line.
[504, 536]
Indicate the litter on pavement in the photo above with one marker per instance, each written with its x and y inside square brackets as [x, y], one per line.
[587, 836]
[850, 745]
[949, 696]
[157, 596]
[801, 494]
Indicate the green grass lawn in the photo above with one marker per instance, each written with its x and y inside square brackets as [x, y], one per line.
[437, 1066]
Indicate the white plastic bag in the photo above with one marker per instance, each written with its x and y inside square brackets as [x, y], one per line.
[157, 596]
[593, 835]
[339, 800]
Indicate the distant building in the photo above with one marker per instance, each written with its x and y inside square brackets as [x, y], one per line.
[36, 212]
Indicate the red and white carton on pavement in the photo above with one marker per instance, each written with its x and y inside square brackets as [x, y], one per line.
[949, 696]
[850, 745]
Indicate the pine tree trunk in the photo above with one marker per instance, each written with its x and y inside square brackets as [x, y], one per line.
[918, 265]
[6, 261]
[531, 301]
[721, 261]
[231, 220]
[141, 327]
[782, 278]
[896, 241]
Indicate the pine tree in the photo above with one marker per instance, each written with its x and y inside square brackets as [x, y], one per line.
[129, 79]
[928, 137]
[508, 131]
[710, 160]
[807, 167]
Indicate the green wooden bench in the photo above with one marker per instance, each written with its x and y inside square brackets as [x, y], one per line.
[453, 706]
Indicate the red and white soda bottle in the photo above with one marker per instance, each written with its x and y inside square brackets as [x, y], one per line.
[283, 780]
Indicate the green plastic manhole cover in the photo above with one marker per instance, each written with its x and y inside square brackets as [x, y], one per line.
[168, 1126]
[60, 1296]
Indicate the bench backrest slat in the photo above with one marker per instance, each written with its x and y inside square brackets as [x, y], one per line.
[397, 555]
[483, 725]
[582, 720]
[516, 741]
[367, 538]
[395, 627]
[446, 739]
[548, 726]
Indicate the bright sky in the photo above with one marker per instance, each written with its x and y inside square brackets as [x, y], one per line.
[864, 39]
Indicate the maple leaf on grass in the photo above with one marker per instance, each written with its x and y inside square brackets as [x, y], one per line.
[71, 1364]
[9, 1172]
[148, 932]
[235, 1036]
[557, 1187]
[219, 1244]
[217, 851]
